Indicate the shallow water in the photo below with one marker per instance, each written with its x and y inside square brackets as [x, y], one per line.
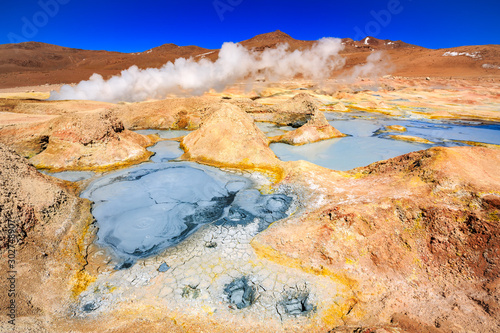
[368, 141]
[72, 176]
[271, 129]
[438, 132]
[145, 209]
[345, 153]
[368, 124]
[165, 151]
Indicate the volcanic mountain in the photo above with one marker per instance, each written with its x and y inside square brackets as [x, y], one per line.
[35, 63]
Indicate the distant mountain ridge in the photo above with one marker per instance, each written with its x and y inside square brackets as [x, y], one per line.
[35, 63]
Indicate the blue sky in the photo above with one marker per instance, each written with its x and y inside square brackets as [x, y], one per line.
[134, 26]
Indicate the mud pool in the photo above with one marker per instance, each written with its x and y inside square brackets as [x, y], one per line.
[369, 139]
[189, 228]
[72, 176]
[143, 210]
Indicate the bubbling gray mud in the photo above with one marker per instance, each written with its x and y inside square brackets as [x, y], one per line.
[143, 210]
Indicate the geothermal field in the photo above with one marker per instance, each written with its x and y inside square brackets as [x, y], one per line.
[273, 185]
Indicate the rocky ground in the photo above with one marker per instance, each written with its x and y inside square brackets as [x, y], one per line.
[408, 244]
[52, 228]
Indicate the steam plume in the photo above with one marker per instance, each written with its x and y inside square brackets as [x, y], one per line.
[187, 76]
[377, 64]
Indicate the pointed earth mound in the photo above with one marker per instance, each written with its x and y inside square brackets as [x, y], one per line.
[228, 137]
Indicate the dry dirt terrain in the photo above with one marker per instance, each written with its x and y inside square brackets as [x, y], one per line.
[407, 244]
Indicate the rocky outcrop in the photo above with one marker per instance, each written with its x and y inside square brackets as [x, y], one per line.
[228, 137]
[414, 237]
[86, 137]
[316, 129]
[34, 106]
[28, 138]
[410, 138]
[395, 128]
[27, 197]
[301, 111]
[171, 113]
[246, 104]
[91, 140]
[44, 231]
[295, 112]
[340, 107]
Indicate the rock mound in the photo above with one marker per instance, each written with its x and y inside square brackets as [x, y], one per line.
[294, 112]
[91, 140]
[316, 129]
[171, 113]
[26, 196]
[472, 167]
[418, 232]
[48, 223]
[340, 107]
[228, 137]
[87, 128]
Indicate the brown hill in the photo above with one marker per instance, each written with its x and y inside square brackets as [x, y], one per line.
[34, 63]
[464, 61]
[272, 39]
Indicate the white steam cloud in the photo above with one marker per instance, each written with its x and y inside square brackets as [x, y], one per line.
[187, 76]
[377, 64]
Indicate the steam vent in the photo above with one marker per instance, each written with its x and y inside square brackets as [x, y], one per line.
[273, 185]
